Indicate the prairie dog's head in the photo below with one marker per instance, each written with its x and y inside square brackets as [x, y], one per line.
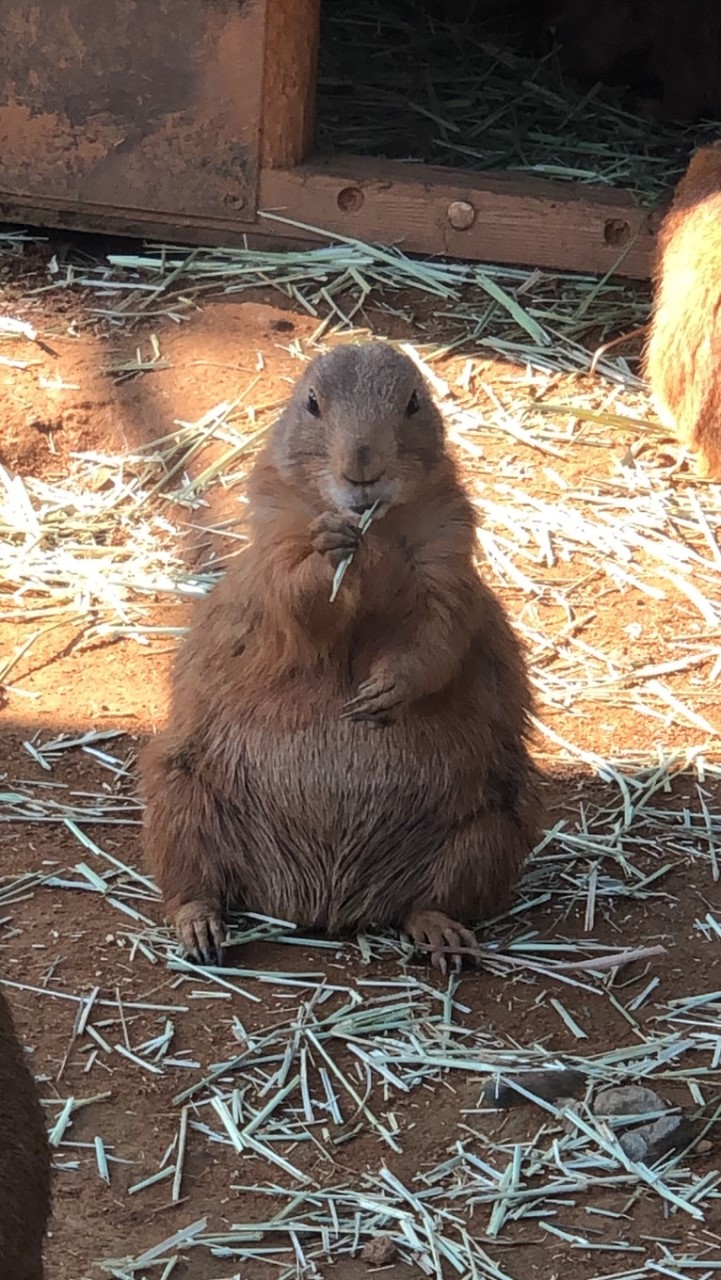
[361, 427]
[606, 41]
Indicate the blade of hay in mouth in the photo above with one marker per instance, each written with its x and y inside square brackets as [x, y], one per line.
[342, 569]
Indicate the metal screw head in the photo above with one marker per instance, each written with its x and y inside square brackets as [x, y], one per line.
[461, 215]
[234, 200]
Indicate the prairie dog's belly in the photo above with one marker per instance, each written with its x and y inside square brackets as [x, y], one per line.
[336, 773]
[301, 759]
[339, 827]
[335, 822]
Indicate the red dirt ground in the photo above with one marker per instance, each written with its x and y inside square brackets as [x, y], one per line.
[69, 942]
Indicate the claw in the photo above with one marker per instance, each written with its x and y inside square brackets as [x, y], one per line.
[369, 692]
[200, 931]
[444, 939]
[373, 702]
[336, 535]
[368, 712]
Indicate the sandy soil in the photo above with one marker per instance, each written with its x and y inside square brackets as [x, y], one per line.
[59, 942]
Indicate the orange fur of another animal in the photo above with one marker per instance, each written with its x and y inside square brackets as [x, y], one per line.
[356, 762]
[683, 356]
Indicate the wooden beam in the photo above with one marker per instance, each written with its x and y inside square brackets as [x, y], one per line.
[292, 30]
[481, 217]
[487, 217]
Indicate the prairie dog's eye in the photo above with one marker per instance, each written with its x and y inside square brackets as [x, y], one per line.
[413, 406]
[312, 405]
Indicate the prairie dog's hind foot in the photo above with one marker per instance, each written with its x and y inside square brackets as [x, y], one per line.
[444, 939]
[200, 931]
[708, 463]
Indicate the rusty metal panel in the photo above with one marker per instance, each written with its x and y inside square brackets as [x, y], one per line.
[147, 106]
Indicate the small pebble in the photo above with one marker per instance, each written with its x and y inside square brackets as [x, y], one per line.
[379, 1252]
[627, 1100]
[651, 1141]
[549, 1085]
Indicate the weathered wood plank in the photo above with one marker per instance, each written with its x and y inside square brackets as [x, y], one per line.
[481, 216]
[292, 30]
[153, 107]
[156, 123]
[531, 222]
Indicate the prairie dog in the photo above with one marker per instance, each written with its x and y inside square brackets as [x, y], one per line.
[683, 355]
[667, 51]
[361, 761]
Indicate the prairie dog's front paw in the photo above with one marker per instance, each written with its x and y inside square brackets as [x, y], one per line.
[377, 701]
[335, 535]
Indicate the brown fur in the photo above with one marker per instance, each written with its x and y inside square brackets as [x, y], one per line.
[361, 761]
[683, 357]
[669, 50]
[24, 1161]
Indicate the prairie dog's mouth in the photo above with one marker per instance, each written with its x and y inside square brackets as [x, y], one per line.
[345, 496]
[362, 484]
